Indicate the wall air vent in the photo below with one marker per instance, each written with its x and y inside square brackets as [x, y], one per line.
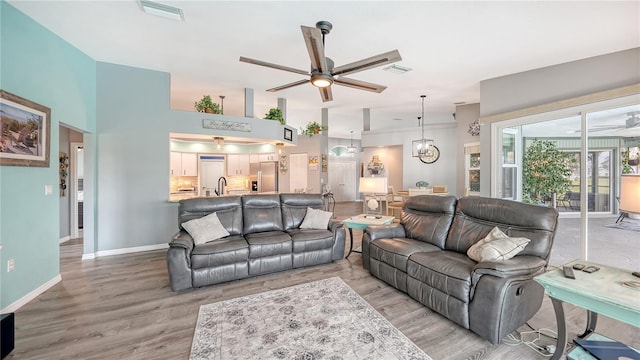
[158, 9]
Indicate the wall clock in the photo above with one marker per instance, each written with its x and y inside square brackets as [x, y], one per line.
[431, 156]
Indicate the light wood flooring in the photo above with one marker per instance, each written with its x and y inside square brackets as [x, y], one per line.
[121, 307]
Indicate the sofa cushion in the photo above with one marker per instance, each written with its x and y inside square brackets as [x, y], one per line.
[496, 246]
[261, 213]
[205, 229]
[294, 208]
[396, 251]
[229, 250]
[447, 271]
[316, 219]
[310, 240]
[227, 208]
[268, 243]
[428, 218]
[476, 216]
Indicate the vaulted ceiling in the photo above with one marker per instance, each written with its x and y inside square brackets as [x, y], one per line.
[451, 46]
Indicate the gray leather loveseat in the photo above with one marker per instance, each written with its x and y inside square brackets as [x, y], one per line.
[264, 237]
[426, 257]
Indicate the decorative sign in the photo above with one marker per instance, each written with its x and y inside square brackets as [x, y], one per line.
[225, 125]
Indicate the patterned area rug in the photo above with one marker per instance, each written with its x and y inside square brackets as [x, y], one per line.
[626, 224]
[324, 319]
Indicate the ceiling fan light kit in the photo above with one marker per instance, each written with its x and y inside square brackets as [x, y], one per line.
[323, 74]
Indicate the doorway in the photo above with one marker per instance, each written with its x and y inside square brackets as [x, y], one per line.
[342, 179]
[77, 189]
[210, 171]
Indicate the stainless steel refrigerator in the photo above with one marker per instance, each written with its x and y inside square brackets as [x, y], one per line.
[264, 176]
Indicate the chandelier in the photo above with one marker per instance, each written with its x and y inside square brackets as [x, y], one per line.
[421, 147]
[351, 149]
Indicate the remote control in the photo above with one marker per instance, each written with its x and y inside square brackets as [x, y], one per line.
[591, 269]
[568, 272]
[636, 273]
[578, 266]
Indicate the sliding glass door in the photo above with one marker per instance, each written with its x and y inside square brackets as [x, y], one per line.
[600, 140]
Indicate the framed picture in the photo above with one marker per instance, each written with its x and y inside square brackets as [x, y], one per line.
[24, 131]
[288, 134]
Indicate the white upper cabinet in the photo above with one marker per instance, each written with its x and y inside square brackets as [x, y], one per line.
[183, 164]
[238, 164]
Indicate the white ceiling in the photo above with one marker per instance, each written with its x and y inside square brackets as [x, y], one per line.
[450, 45]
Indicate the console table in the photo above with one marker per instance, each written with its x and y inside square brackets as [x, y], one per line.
[600, 292]
[361, 222]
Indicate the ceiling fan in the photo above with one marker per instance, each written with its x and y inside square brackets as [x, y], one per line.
[632, 122]
[323, 74]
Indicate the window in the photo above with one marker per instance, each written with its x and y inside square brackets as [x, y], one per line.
[472, 168]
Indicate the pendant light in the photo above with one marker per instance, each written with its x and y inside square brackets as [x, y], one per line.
[219, 142]
[421, 147]
[351, 149]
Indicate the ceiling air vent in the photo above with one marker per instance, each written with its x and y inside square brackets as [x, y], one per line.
[397, 69]
[158, 9]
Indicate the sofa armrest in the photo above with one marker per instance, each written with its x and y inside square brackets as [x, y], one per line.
[339, 237]
[524, 266]
[378, 232]
[516, 266]
[179, 261]
[334, 225]
[385, 231]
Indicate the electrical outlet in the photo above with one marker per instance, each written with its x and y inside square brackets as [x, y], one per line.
[11, 265]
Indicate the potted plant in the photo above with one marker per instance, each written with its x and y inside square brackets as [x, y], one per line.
[546, 172]
[314, 128]
[275, 114]
[207, 105]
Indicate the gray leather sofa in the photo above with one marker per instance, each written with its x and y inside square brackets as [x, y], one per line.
[265, 237]
[425, 256]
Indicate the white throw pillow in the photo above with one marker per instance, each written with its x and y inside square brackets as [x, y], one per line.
[316, 219]
[205, 229]
[496, 246]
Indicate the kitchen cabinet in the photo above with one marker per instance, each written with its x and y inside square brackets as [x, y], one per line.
[256, 158]
[183, 164]
[238, 164]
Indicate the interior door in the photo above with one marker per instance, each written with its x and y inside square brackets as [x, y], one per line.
[298, 172]
[210, 172]
[342, 179]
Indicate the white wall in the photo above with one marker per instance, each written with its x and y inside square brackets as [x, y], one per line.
[441, 172]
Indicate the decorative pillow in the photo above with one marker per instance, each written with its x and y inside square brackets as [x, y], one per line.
[316, 219]
[205, 229]
[496, 246]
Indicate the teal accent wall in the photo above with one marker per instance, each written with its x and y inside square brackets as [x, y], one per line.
[38, 65]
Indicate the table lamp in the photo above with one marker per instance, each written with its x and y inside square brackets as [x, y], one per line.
[373, 185]
[630, 194]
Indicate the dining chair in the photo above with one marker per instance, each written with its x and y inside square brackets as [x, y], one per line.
[393, 203]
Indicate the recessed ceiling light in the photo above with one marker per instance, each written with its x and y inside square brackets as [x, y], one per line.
[397, 69]
[158, 9]
[396, 119]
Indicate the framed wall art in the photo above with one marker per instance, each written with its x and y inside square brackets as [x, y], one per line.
[288, 134]
[25, 131]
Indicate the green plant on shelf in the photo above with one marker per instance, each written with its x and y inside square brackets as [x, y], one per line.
[207, 105]
[275, 114]
[313, 128]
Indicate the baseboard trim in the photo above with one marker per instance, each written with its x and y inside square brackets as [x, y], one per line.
[65, 239]
[31, 295]
[124, 251]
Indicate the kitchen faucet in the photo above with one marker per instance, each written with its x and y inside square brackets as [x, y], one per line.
[222, 182]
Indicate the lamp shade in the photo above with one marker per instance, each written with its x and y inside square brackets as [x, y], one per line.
[630, 193]
[373, 185]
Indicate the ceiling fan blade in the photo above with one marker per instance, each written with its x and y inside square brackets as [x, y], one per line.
[368, 63]
[325, 93]
[274, 66]
[315, 47]
[360, 85]
[290, 85]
